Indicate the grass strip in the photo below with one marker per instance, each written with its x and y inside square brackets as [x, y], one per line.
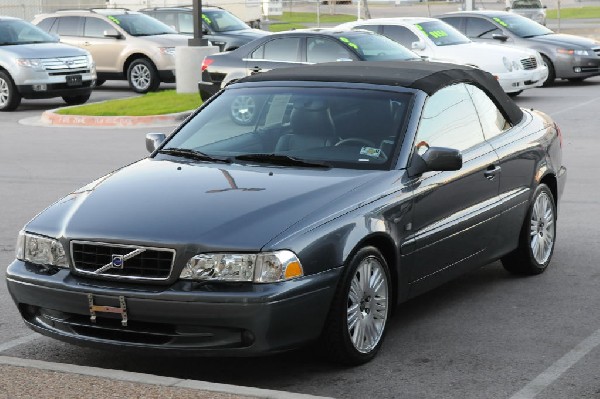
[155, 103]
[574, 13]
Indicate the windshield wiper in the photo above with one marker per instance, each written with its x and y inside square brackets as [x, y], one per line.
[193, 154]
[281, 160]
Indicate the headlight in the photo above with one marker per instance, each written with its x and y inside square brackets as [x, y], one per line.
[507, 64]
[34, 63]
[167, 50]
[40, 250]
[572, 52]
[516, 65]
[266, 267]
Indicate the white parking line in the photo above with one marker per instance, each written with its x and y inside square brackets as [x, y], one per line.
[569, 109]
[19, 341]
[556, 370]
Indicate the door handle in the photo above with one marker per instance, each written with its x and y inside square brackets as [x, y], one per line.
[492, 171]
[255, 69]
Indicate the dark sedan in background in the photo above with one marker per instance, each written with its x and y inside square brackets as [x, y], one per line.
[295, 48]
[219, 26]
[567, 56]
[357, 187]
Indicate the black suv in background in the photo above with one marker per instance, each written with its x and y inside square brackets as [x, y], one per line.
[219, 26]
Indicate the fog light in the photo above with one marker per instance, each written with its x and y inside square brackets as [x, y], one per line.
[577, 69]
[40, 87]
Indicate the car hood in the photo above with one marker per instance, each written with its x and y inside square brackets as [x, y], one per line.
[485, 56]
[44, 50]
[211, 207]
[168, 40]
[246, 33]
[565, 40]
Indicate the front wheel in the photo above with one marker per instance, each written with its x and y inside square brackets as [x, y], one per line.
[357, 319]
[76, 100]
[551, 72]
[143, 76]
[10, 98]
[538, 236]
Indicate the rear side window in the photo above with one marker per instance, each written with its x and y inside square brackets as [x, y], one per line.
[492, 121]
[372, 28]
[325, 50]
[70, 26]
[285, 49]
[46, 24]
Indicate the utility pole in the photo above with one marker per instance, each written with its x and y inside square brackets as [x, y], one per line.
[197, 40]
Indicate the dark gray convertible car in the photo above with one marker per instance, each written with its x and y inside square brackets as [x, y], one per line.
[356, 187]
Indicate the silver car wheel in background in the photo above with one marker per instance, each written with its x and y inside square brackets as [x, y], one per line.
[243, 109]
[140, 77]
[4, 92]
[542, 228]
[367, 305]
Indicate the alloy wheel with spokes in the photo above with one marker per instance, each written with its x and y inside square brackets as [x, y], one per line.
[358, 317]
[9, 95]
[538, 236]
[367, 305]
[142, 76]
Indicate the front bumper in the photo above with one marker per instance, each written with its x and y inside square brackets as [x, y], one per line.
[516, 81]
[207, 87]
[184, 318]
[574, 67]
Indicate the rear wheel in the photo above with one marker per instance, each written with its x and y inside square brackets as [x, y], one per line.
[538, 236]
[76, 100]
[143, 76]
[357, 319]
[551, 72]
[10, 98]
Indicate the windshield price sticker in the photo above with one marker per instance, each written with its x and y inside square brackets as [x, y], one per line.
[115, 20]
[206, 19]
[436, 34]
[348, 43]
[501, 22]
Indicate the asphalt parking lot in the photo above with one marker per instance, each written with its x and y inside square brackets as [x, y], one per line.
[486, 335]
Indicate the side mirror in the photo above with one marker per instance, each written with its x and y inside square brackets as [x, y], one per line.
[205, 31]
[112, 33]
[499, 36]
[418, 45]
[435, 159]
[154, 140]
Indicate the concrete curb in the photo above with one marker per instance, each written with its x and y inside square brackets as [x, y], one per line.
[50, 117]
[125, 376]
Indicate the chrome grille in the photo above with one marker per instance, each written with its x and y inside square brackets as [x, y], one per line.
[529, 63]
[65, 63]
[139, 263]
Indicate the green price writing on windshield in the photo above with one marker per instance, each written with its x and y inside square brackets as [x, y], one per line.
[116, 21]
[206, 19]
[501, 22]
[437, 34]
[348, 43]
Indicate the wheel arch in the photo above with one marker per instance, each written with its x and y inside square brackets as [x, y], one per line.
[549, 180]
[133, 57]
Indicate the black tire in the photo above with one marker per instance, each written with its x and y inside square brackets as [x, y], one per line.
[515, 93]
[143, 76]
[541, 220]
[100, 82]
[76, 100]
[10, 98]
[352, 300]
[551, 72]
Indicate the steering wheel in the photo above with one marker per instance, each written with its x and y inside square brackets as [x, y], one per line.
[355, 140]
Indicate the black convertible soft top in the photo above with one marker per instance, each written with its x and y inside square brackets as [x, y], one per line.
[426, 76]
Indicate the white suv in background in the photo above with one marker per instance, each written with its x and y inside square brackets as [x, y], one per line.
[125, 44]
[34, 65]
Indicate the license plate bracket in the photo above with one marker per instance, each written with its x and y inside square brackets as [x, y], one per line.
[122, 309]
[74, 80]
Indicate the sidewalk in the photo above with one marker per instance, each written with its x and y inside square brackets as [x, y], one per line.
[26, 379]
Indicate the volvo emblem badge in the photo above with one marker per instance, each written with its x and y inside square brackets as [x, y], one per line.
[117, 261]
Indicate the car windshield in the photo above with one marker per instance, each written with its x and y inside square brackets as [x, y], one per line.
[521, 26]
[296, 127]
[523, 4]
[140, 24]
[441, 33]
[15, 31]
[374, 47]
[222, 21]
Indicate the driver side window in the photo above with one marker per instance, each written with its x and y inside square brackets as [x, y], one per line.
[449, 119]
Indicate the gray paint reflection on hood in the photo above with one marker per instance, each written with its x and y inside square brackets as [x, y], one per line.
[215, 206]
[44, 50]
[557, 38]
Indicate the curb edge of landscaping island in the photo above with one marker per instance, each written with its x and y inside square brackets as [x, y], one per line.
[51, 117]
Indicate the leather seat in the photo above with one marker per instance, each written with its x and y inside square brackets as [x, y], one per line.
[311, 125]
